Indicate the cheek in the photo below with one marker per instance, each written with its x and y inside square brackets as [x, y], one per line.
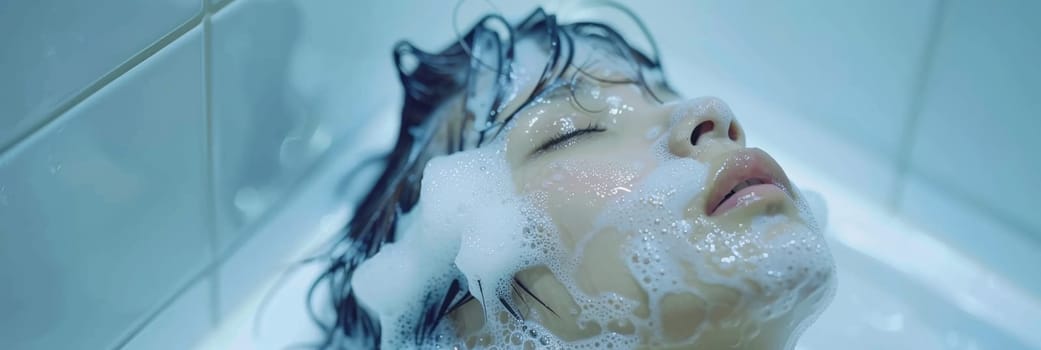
[574, 192]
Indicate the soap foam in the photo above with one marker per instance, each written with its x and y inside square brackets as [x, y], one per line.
[772, 272]
[468, 225]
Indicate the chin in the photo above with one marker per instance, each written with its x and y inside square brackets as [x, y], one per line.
[762, 262]
[737, 260]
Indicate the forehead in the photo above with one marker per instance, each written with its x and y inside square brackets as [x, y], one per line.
[590, 64]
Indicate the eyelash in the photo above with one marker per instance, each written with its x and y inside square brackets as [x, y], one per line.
[561, 137]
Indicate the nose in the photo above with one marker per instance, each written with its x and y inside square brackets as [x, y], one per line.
[701, 122]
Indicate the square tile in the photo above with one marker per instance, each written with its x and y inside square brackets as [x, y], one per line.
[978, 132]
[53, 49]
[103, 212]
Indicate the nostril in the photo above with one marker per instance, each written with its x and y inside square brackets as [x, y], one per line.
[701, 129]
[734, 132]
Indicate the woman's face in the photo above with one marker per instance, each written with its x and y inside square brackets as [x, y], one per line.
[663, 213]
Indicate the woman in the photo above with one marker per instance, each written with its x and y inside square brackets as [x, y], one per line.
[549, 190]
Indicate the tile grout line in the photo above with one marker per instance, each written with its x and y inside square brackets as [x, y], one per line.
[914, 108]
[220, 5]
[211, 166]
[213, 270]
[100, 83]
[109, 77]
[209, 270]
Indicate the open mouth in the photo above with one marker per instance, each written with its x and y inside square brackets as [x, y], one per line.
[745, 177]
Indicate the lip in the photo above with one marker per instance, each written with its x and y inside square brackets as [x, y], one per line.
[769, 182]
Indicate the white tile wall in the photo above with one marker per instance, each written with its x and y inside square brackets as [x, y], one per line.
[103, 212]
[978, 133]
[52, 49]
[285, 89]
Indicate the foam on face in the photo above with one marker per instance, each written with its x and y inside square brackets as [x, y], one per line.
[469, 225]
[466, 224]
[773, 263]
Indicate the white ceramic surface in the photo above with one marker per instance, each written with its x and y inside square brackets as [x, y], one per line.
[52, 49]
[101, 220]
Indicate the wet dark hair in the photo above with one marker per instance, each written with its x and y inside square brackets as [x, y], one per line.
[459, 75]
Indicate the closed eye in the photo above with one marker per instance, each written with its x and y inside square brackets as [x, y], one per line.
[559, 140]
